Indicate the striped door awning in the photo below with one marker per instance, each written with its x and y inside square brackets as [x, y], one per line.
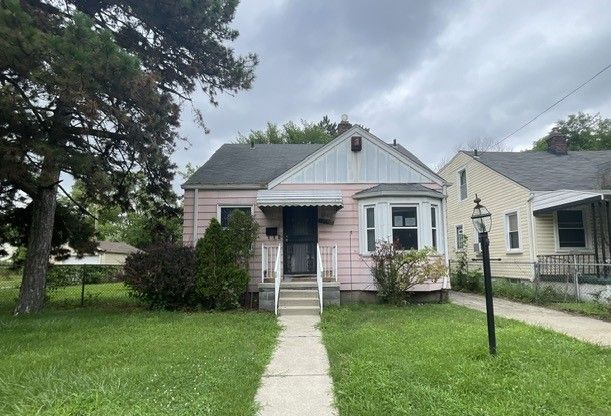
[299, 198]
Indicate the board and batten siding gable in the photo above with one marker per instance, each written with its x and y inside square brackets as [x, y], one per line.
[374, 163]
[500, 195]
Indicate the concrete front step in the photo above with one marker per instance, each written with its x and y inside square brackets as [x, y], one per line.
[293, 301]
[298, 310]
[298, 293]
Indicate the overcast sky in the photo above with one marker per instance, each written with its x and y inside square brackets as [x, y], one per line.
[430, 74]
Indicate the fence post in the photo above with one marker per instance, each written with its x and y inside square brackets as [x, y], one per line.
[536, 277]
[82, 287]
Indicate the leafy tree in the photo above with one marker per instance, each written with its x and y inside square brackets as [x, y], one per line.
[292, 133]
[92, 90]
[584, 132]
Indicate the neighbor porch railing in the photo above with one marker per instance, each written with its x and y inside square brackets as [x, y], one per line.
[554, 265]
[319, 273]
[327, 256]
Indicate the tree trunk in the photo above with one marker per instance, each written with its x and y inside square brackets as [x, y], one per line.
[32, 292]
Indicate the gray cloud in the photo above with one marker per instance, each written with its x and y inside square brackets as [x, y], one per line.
[432, 75]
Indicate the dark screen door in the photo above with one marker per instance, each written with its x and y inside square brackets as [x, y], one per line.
[300, 237]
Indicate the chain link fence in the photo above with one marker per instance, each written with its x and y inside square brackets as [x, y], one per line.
[543, 281]
[76, 285]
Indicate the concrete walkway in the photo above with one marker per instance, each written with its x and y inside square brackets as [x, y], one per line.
[296, 381]
[586, 329]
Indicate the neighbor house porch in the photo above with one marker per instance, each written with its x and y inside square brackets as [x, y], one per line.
[573, 234]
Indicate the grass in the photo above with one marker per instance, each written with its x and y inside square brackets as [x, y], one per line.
[102, 295]
[592, 309]
[545, 296]
[98, 362]
[433, 360]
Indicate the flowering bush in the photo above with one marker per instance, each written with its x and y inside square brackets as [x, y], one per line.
[396, 271]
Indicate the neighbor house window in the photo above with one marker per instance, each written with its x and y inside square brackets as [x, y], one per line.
[571, 230]
[513, 234]
[405, 227]
[225, 213]
[370, 226]
[434, 226]
[460, 240]
[462, 179]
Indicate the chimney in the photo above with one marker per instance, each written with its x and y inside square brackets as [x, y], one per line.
[394, 143]
[343, 125]
[557, 144]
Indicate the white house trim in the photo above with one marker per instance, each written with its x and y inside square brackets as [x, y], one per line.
[508, 249]
[366, 135]
[383, 220]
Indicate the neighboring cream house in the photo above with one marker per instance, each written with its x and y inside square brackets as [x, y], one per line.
[107, 253]
[549, 207]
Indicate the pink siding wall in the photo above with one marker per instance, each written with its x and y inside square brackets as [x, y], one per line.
[208, 201]
[353, 268]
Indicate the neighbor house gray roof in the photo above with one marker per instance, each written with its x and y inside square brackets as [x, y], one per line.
[241, 164]
[397, 189]
[544, 171]
[413, 158]
[116, 247]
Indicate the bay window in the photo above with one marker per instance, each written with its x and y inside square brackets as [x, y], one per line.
[370, 226]
[405, 227]
[434, 226]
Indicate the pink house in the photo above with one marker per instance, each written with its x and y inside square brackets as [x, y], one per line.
[321, 209]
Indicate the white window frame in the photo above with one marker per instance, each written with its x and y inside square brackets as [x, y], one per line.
[418, 222]
[462, 227]
[219, 207]
[460, 172]
[367, 228]
[586, 234]
[434, 207]
[520, 248]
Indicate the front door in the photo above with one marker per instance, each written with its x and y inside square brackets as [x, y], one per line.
[300, 237]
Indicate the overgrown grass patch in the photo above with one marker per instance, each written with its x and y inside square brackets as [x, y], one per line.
[433, 360]
[593, 309]
[99, 362]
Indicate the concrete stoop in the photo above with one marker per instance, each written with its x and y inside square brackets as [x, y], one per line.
[298, 297]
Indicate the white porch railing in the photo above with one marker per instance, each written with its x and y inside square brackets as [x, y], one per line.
[277, 277]
[268, 258]
[319, 273]
[327, 256]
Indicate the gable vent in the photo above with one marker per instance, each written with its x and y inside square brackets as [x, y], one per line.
[356, 143]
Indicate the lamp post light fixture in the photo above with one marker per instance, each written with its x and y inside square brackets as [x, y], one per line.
[482, 220]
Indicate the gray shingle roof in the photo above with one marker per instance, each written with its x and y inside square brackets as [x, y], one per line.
[413, 158]
[397, 189]
[240, 164]
[116, 247]
[544, 171]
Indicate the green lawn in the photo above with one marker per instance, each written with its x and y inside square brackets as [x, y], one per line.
[94, 361]
[433, 360]
[592, 309]
[112, 296]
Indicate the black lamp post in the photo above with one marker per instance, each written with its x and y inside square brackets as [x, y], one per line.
[482, 220]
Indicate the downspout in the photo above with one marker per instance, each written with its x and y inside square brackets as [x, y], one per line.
[195, 210]
[531, 228]
[444, 216]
